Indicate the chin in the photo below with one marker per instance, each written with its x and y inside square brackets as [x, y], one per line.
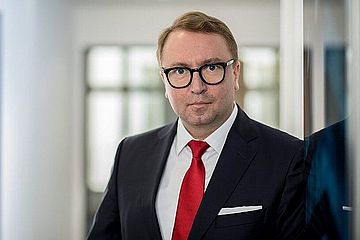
[201, 121]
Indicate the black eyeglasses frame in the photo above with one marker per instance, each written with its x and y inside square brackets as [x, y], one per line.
[192, 70]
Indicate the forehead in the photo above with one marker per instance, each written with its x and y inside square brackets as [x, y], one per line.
[193, 48]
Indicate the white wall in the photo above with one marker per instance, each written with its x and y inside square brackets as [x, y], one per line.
[36, 166]
[252, 22]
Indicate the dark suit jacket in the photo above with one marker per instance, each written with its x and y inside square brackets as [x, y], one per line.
[257, 166]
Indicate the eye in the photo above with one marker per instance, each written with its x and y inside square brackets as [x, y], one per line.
[180, 71]
[212, 67]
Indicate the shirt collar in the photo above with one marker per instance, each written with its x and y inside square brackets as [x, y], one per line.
[182, 137]
[216, 140]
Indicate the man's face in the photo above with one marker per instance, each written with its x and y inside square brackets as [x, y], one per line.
[201, 107]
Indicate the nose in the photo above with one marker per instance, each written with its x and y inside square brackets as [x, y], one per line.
[197, 86]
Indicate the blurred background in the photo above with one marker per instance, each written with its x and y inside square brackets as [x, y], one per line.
[77, 76]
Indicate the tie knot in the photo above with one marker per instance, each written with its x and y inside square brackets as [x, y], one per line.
[198, 148]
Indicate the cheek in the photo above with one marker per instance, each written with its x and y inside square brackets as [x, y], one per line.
[176, 99]
[227, 93]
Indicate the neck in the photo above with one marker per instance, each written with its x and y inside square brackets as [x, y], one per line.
[200, 132]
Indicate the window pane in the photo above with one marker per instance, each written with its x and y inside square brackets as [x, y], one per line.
[104, 133]
[143, 68]
[262, 106]
[146, 111]
[105, 66]
[260, 67]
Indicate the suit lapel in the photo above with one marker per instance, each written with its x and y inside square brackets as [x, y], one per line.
[233, 162]
[158, 159]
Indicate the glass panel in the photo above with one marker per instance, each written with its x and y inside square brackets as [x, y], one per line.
[104, 133]
[335, 81]
[146, 111]
[143, 68]
[105, 66]
[328, 198]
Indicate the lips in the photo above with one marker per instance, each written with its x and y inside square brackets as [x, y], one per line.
[200, 103]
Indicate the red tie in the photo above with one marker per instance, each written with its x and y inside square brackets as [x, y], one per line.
[191, 192]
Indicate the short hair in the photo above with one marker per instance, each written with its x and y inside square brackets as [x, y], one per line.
[202, 23]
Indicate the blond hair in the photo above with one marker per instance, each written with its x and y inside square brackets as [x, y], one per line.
[198, 22]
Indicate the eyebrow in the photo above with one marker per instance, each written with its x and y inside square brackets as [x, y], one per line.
[206, 61]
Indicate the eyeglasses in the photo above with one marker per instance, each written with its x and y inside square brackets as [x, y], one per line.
[210, 73]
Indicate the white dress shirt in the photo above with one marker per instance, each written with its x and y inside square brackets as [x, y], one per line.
[177, 164]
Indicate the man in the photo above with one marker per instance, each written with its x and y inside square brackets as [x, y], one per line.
[238, 180]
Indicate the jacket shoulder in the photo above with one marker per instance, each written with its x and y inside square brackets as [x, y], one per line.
[151, 136]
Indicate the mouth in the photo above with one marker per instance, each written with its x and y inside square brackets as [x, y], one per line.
[199, 104]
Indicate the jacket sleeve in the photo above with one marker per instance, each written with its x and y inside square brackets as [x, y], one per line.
[106, 224]
[290, 222]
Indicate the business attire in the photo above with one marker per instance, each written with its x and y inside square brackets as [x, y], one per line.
[328, 200]
[178, 163]
[254, 187]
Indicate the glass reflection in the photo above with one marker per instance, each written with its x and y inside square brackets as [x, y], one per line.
[328, 198]
[328, 204]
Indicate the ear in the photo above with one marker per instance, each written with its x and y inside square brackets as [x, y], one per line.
[162, 76]
[236, 73]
